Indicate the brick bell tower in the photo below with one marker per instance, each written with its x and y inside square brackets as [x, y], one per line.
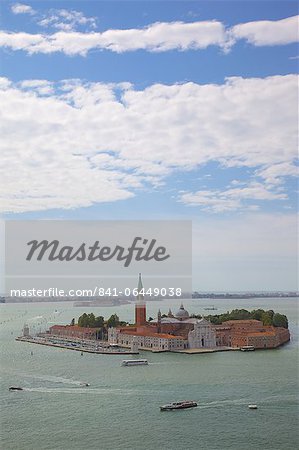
[140, 307]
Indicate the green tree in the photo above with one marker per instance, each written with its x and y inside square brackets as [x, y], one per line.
[113, 321]
[91, 320]
[99, 321]
[280, 320]
[257, 314]
[266, 318]
[82, 321]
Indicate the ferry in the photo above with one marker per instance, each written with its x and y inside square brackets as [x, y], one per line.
[15, 388]
[247, 348]
[179, 405]
[134, 362]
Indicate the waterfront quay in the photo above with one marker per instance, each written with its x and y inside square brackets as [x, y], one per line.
[88, 346]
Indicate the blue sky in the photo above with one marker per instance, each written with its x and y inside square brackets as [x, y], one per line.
[159, 110]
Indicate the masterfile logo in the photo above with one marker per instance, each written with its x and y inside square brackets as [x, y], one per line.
[76, 254]
[144, 250]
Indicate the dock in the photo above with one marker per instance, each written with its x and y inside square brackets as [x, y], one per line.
[195, 351]
[74, 346]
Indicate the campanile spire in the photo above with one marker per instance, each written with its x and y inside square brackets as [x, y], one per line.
[140, 307]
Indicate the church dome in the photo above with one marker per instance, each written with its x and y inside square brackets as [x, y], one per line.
[182, 314]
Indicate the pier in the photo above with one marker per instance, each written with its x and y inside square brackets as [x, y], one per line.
[91, 347]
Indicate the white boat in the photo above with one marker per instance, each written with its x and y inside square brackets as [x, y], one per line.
[179, 405]
[134, 362]
[252, 406]
[247, 348]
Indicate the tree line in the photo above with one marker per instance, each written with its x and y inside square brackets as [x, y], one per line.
[267, 317]
[91, 321]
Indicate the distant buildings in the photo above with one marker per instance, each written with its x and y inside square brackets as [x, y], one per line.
[239, 333]
[74, 331]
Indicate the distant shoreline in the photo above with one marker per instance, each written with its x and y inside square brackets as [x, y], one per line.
[104, 301]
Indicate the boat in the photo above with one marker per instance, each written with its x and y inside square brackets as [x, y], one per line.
[252, 406]
[134, 362]
[15, 388]
[247, 348]
[179, 405]
[210, 308]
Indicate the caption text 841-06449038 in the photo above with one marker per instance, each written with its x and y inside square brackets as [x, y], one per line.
[98, 292]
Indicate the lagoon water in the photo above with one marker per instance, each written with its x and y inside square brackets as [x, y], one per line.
[120, 408]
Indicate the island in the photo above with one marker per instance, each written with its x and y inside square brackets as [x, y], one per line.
[179, 332]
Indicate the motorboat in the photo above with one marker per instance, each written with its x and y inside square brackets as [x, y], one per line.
[252, 406]
[179, 405]
[134, 362]
[15, 388]
[247, 348]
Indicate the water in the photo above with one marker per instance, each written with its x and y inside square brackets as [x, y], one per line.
[120, 408]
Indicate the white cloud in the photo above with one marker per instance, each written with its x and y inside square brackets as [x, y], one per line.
[231, 199]
[42, 87]
[20, 8]
[95, 142]
[268, 32]
[156, 37]
[274, 174]
[66, 20]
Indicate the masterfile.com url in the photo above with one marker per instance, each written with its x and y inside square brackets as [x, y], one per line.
[54, 292]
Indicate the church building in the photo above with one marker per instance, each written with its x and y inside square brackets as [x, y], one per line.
[174, 332]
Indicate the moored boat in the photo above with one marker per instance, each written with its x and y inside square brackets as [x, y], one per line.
[179, 405]
[247, 348]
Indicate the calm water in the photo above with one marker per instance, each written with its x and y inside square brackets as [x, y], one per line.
[120, 408]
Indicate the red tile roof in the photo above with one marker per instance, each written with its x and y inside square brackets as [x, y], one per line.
[74, 328]
[243, 322]
[151, 334]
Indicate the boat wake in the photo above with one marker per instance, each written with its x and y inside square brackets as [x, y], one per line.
[81, 390]
[266, 402]
[54, 379]
[224, 403]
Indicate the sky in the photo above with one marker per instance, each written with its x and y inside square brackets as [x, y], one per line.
[158, 110]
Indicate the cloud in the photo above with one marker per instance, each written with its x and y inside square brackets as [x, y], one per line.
[274, 174]
[66, 20]
[231, 199]
[156, 37]
[42, 87]
[268, 32]
[20, 8]
[72, 143]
